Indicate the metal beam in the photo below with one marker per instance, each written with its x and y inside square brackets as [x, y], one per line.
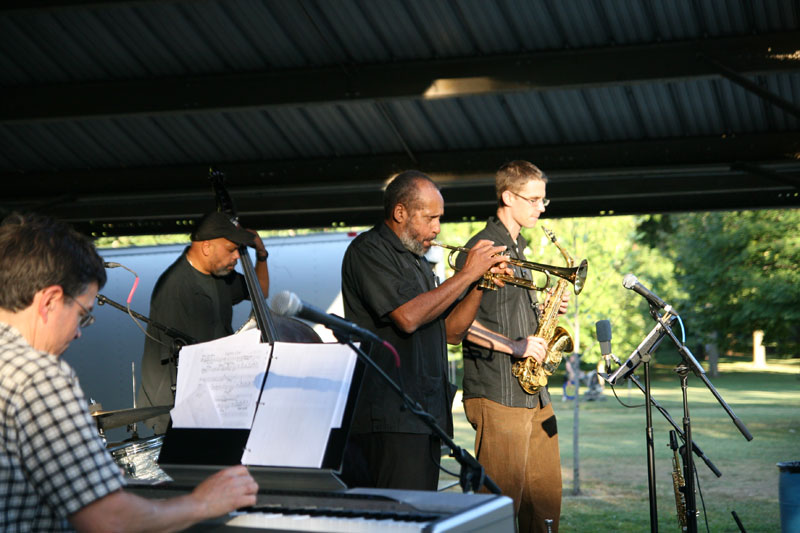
[371, 171]
[38, 6]
[747, 55]
[477, 209]
[585, 180]
[754, 88]
[612, 193]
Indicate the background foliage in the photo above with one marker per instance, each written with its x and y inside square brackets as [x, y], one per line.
[727, 273]
[740, 270]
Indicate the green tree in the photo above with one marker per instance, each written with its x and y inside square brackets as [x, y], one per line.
[611, 248]
[741, 272]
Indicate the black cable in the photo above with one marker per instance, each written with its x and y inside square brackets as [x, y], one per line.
[441, 467]
[700, 492]
[614, 390]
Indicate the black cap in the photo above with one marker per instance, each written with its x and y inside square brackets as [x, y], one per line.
[215, 225]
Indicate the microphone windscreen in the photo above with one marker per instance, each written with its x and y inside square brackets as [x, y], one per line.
[286, 303]
[603, 330]
[629, 281]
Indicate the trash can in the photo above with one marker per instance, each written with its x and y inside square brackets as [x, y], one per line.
[789, 496]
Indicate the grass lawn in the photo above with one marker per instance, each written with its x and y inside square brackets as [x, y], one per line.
[612, 453]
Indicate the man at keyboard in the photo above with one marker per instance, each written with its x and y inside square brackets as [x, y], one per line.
[56, 474]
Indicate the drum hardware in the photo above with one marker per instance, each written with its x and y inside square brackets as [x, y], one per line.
[139, 459]
[96, 407]
[132, 427]
[123, 417]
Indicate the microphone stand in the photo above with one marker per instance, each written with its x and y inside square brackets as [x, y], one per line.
[642, 355]
[651, 456]
[690, 363]
[179, 339]
[472, 475]
[695, 448]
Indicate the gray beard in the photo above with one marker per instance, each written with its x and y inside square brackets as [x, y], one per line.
[413, 245]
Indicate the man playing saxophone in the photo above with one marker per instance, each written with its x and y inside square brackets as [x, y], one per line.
[516, 435]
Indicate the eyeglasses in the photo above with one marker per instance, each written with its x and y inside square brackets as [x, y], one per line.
[533, 201]
[87, 319]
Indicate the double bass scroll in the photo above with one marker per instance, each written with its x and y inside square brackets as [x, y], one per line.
[269, 332]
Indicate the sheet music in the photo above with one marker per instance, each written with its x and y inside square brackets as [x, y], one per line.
[303, 398]
[219, 382]
[198, 410]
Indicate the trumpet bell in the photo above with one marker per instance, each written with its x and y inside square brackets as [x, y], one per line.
[575, 275]
[581, 272]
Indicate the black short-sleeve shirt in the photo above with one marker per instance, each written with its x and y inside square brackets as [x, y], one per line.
[199, 305]
[379, 275]
[509, 311]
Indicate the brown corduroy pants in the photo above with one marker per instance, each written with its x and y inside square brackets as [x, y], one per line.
[518, 448]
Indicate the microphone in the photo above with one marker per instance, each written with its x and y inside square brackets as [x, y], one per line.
[630, 282]
[646, 347]
[111, 265]
[287, 303]
[603, 332]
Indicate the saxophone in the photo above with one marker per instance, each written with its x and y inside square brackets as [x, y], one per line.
[532, 376]
[678, 483]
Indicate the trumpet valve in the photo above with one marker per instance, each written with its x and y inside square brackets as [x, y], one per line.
[487, 283]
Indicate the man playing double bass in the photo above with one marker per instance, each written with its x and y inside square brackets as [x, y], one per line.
[195, 296]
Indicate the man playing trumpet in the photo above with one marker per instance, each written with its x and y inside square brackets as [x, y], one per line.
[516, 435]
[389, 288]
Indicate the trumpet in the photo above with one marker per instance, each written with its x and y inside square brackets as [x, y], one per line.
[575, 275]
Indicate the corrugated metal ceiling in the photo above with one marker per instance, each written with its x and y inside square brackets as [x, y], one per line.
[97, 93]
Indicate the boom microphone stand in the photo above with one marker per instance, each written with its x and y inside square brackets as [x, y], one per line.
[690, 363]
[678, 429]
[642, 355]
[472, 475]
[179, 339]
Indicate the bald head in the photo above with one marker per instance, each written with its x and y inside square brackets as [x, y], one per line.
[413, 208]
[406, 189]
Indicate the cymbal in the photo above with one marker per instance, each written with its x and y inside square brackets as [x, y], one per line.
[123, 417]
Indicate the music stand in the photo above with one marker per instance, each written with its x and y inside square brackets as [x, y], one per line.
[189, 463]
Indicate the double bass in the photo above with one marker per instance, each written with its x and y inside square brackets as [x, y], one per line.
[272, 327]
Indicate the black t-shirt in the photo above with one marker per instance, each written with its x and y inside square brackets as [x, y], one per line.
[509, 311]
[197, 304]
[378, 276]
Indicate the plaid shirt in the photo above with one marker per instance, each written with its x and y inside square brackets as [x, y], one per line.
[52, 461]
